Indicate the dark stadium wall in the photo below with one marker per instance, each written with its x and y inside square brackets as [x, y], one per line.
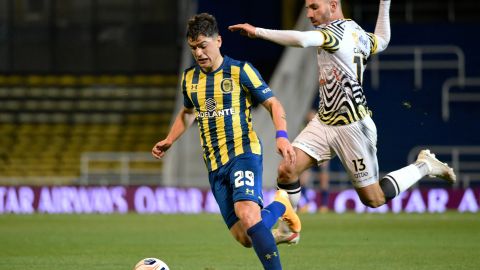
[405, 117]
[266, 13]
[401, 127]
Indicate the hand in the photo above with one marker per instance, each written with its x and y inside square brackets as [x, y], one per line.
[160, 148]
[245, 29]
[285, 149]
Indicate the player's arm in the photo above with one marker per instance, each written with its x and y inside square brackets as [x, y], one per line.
[382, 29]
[275, 108]
[252, 82]
[182, 122]
[283, 37]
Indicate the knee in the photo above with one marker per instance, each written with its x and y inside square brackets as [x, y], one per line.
[373, 202]
[286, 173]
[248, 218]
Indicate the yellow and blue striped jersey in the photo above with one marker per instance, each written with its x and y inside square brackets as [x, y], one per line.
[222, 100]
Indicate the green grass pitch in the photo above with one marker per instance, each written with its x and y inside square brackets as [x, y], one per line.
[331, 241]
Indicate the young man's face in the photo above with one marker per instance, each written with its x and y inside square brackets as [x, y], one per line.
[318, 11]
[206, 51]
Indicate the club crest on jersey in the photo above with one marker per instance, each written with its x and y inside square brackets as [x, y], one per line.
[227, 85]
[211, 104]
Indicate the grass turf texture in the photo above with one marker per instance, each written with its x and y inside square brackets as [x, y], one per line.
[331, 241]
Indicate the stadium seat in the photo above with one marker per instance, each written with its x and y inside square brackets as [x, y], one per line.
[45, 129]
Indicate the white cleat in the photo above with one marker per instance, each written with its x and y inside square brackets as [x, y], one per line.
[289, 238]
[436, 168]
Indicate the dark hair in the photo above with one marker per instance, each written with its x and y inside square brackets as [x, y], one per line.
[202, 24]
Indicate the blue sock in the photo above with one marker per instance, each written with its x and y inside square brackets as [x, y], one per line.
[265, 247]
[324, 194]
[271, 213]
[303, 193]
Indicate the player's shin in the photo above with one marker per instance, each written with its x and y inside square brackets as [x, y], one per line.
[294, 192]
[271, 213]
[398, 181]
[265, 246]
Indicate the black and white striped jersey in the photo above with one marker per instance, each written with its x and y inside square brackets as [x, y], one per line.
[341, 61]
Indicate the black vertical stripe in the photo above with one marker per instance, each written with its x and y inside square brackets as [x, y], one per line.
[212, 125]
[228, 120]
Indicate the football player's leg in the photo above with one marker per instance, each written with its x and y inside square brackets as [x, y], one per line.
[246, 179]
[288, 180]
[324, 182]
[362, 169]
[272, 212]
[288, 175]
[289, 215]
[355, 145]
[371, 195]
[239, 233]
[292, 225]
[310, 147]
[262, 239]
[398, 181]
[359, 158]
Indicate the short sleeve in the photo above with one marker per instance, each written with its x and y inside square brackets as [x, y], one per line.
[333, 35]
[252, 82]
[187, 102]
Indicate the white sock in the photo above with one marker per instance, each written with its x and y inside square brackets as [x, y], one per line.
[294, 191]
[407, 176]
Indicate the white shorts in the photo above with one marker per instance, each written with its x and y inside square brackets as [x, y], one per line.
[355, 145]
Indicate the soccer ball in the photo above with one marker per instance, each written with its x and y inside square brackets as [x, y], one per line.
[151, 264]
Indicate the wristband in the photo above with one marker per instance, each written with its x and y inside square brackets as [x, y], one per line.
[281, 134]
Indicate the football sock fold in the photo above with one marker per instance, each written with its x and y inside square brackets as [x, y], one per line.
[271, 213]
[400, 180]
[294, 192]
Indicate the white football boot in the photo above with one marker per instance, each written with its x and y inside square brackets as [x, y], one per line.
[283, 234]
[436, 168]
[289, 238]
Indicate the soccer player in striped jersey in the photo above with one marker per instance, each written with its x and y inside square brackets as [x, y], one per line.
[219, 92]
[343, 125]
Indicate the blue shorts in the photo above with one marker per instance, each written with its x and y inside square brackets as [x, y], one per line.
[238, 180]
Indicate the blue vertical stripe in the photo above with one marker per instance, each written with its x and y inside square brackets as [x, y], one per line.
[212, 125]
[196, 75]
[206, 152]
[244, 123]
[227, 103]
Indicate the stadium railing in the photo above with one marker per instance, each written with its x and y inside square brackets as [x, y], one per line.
[417, 64]
[124, 168]
[47, 122]
[449, 97]
[411, 11]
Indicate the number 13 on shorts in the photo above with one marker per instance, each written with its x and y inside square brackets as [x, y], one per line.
[359, 165]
